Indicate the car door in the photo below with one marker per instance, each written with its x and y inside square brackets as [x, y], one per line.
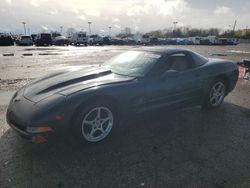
[175, 83]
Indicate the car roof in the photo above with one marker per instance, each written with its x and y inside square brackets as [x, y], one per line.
[163, 50]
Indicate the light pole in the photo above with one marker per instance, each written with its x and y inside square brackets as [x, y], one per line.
[175, 23]
[89, 27]
[110, 31]
[61, 28]
[24, 23]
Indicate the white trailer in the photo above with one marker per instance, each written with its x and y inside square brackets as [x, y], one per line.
[214, 40]
[195, 40]
[79, 38]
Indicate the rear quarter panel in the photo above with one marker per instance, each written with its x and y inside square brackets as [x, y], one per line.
[216, 68]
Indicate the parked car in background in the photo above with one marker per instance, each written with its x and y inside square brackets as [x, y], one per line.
[88, 103]
[184, 41]
[129, 41]
[117, 41]
[153, 41]
[6, 40]
[228, 41]
[171, 41]
[145, 40]
[213, 40]
[61, 41]
[205, 41]
[33, 36]
[106, 40]
[55, 34]
[43, 39]
[79, 38]
[195, 40]
[24, 40]
[95, 40]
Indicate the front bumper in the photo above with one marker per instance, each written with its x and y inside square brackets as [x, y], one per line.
[17, 116]
[35, 137]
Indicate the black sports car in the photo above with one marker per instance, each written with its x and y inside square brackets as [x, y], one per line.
[88, 103]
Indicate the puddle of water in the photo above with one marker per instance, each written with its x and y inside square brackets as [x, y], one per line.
[239, 51]
[5, 97]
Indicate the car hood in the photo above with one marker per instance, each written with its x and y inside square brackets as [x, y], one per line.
[67, 82]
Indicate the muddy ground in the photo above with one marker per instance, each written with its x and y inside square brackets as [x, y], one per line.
[187, 148]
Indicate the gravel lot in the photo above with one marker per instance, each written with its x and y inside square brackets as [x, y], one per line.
[186, 148]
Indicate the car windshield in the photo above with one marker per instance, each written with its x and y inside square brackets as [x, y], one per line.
[132, 63]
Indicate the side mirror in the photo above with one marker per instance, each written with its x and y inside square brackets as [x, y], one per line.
[170, 74]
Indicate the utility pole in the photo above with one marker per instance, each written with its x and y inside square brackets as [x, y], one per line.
[24, 23]
[89, 27]
[175, 23]
[110, 31]
[235, 22]
[61, 28]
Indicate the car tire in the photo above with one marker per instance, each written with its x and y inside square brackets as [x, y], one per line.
[215, 94]
[95, 122]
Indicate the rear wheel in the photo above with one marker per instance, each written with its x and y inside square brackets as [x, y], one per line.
[215, 95]
[95, 122]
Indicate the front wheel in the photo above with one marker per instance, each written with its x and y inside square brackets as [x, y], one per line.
[215, 95]
[95, 122]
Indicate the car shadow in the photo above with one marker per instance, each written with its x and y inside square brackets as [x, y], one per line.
[186, 148]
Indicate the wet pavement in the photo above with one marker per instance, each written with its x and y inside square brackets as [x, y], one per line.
[187, 148]
[5, 97]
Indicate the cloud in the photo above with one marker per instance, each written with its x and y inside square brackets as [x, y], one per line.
[161, 7]
[8, 1]
[140, 15]
[76, 11]
[93, 12]
[222, 10]
[137, 10]
[34, 3]
[45, 27]
[117, 26]
[81, 17]
[115, 20]
[53, 12]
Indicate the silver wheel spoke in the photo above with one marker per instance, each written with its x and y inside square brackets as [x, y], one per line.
[220, 88]
[102, 130]
[213, 97]
[98, 113]
[88, 122]
[106, 119]
[91, 132]
[214, 90]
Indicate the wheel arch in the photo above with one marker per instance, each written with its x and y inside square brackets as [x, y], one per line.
[225, 78]
[110, 99]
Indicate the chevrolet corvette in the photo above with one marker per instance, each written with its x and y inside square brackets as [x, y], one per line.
[88, 103]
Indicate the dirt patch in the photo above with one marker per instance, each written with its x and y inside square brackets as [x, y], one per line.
[13, 84]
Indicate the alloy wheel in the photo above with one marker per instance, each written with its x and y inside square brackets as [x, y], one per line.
[97, 124]
[217, 94]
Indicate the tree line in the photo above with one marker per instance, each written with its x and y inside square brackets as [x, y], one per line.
[183, 32]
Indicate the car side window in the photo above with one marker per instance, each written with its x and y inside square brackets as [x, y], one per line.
[179, 62]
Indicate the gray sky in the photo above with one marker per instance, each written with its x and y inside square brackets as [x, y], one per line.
[139, 15]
